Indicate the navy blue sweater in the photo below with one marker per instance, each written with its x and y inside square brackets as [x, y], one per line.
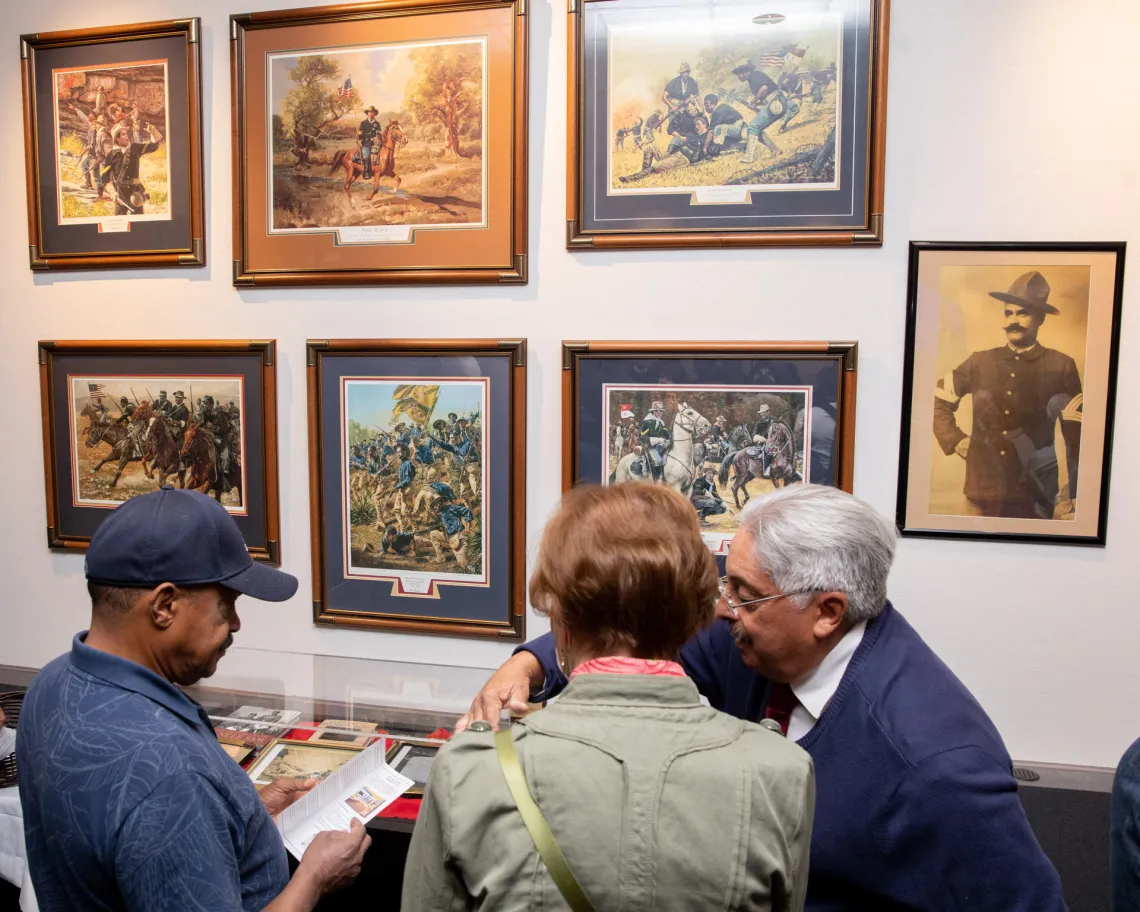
[916, 805]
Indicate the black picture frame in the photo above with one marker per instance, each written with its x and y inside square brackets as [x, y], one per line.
[1018, 256]
[73, 517]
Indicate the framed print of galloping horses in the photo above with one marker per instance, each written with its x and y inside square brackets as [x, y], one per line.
[125, 418]
[380, 142]
[113, 146]
[731, 124]
[720, 422]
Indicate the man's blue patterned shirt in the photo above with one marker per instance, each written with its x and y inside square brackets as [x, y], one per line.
[129, 801]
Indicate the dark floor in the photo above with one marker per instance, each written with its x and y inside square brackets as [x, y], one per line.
[1071, 826]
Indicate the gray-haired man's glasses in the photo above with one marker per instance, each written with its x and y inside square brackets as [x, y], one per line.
[735, 606]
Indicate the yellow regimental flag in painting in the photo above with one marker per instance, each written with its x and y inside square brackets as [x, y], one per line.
[416, 401]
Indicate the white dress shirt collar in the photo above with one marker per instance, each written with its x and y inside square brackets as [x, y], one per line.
[815, 690]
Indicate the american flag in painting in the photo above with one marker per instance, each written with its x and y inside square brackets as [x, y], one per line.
[772, 60]
[346, 90]
[95, 392]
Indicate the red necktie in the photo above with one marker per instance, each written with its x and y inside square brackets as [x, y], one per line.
[781, 702]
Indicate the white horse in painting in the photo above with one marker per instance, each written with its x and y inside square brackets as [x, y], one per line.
[680, 469]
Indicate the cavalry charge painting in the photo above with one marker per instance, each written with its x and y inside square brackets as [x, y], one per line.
[718, 445]
[724, 101]
[112, 157]
[369, 138]
[415, 481]
[134, 434]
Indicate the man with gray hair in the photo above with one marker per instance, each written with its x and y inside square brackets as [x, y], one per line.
[916, 805]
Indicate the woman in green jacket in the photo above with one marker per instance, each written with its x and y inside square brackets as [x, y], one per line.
[656, 801]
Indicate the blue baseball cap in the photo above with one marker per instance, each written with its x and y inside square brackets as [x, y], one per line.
[181, 537]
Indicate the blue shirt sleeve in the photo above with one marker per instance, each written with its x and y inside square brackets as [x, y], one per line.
[177, 851]
[956, 821]
[542, 648]
[1124, 848]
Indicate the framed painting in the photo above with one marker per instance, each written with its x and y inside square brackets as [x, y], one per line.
[113, 146]
[216, 431]
[414, 760]
[720, 422]
[418, 484]
[1003, 344]
[300, 760]
[331, 189]
[734, 125]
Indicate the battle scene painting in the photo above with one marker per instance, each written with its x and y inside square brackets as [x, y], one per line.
[133, 434]
[719, 446]
[415, 481]
[111, 152]
[724, 100]
[378, 137]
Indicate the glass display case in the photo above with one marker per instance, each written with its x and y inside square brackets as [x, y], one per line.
[298, 714]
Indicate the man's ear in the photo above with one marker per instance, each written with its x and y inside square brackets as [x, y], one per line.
[831, 613]
[163, 605]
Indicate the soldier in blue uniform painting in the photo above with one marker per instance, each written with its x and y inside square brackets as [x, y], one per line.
[455, 523]
[1020, 392]
[368, 135]
[705, 497]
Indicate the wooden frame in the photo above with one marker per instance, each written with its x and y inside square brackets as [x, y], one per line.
[267, 532]
[844, 354]
[512, 269]
[514, 583]
[416, 791]
[193, 252]
[264, 759]
[869, 233]
[1090, 343]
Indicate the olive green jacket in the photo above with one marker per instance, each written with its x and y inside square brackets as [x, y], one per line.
[657, 801]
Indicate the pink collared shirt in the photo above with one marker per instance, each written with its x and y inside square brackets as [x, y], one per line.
[624, 665]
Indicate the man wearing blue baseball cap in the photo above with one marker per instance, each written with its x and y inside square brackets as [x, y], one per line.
[129, 801]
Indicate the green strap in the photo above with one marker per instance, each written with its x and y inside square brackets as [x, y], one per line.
[536, 825]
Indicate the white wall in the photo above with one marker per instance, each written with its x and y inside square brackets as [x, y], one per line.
[1008, 120]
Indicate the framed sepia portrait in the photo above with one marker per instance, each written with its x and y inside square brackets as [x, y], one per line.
[736, 124]
[122, 419]
[113, 146]
[414, 760]
[380, 142]
[719, 422]
[1004, 342]
[300, 760]
[417, 478]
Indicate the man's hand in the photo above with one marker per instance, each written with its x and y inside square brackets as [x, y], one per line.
[280, 793]
[962, 447]
[334, 857]
[510, 686]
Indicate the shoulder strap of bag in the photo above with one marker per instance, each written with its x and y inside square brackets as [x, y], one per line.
[536, 824]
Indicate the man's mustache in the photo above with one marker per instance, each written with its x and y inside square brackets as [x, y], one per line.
[1015, 327]
[738, 634]
[228, 643]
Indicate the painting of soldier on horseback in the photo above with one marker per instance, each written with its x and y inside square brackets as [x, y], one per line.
[718, 446]
[378, 137]
[132, 435]
[415, 481]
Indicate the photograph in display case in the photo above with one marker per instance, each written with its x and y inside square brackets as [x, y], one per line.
[417, 475]
[414, 760]
[341, 729]
[125, 418]
[695, 127]
[300, 760]
[114, 146]
[1009, 391]
[380, 143]
[719, 422]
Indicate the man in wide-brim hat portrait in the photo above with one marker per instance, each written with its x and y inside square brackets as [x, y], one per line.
[369, 135]
[1020, 391]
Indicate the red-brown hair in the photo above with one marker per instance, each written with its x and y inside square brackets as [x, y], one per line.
[626, 566]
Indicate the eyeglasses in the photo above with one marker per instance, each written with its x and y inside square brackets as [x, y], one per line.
[735, 606]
